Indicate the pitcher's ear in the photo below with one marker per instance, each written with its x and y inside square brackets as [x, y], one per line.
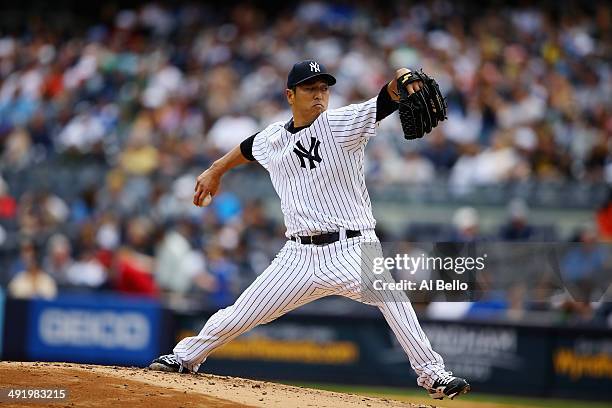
[290, 94]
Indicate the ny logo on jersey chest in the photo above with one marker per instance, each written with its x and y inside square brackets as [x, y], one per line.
[311, 154]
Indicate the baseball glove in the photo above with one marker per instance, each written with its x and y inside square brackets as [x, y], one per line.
[421, 111]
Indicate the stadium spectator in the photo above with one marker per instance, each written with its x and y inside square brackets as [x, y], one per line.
[173, 270]
[224, 273]
[59, 258]
[548, 162]
[31, 281]
[8, 204]
[410, 168]
[17, 150]
[583, 264]
[517, 228]
[464, 176]
[440, 151]
[87, 272]
[228, 131]
[467, 225]
[26, 251]
[604, 219]
[133, 264]
[140, 156]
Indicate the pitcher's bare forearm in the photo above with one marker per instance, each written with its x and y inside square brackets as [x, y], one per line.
[231, 159]
[209, 180]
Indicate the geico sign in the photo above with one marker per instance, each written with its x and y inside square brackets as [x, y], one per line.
[128, 330]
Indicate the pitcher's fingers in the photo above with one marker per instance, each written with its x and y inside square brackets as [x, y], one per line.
[199, 195]
[198, 183]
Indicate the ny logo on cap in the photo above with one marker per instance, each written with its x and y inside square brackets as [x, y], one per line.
[314, 67]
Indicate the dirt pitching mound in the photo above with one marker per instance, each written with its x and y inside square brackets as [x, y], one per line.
[103, 386]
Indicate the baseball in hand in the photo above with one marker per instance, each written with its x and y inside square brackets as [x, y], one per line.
[207, 200]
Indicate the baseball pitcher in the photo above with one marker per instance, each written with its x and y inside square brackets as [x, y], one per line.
[316, 164]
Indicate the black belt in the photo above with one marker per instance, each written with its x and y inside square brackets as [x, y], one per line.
[323, 239]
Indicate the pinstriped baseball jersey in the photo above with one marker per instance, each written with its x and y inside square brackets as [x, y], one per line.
[318, 172]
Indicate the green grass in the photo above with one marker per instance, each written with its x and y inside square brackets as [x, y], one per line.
[477, 398]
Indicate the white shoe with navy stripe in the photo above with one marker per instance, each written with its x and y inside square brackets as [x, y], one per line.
[448, 386]
[167, 363]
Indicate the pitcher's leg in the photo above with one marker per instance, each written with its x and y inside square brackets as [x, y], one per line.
[283, 286]
[429, 366]
[402, 319]
[352, 276]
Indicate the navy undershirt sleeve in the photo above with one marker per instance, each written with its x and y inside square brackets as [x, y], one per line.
[384, 104]
[246, 148]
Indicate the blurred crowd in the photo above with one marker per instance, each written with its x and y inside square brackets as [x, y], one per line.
[152, 89]
[153, 94]
[529, 274]
[211, 258]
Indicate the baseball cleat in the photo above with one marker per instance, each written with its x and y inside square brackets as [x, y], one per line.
[167, 363]
[448, 386]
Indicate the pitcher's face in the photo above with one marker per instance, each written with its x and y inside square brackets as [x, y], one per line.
[310, 99]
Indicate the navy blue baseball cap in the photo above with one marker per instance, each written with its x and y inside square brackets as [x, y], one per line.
[308, 69]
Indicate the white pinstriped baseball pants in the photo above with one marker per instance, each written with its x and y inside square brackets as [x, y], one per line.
[300, 274]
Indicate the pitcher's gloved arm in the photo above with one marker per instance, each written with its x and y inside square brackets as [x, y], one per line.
[387, 100]
[385, 105]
